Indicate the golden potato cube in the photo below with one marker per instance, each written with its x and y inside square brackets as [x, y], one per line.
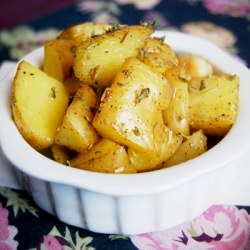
[143, 162]
[106, 156]
[214, 105]
[131, 109]
[76, 131]
[39, 103]
[99, 58]
[195, 66]
[59, 58]
[193, 146]
[158, 55]
[61, 154]
[72, 84]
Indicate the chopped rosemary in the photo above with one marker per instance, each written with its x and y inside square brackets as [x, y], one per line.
[124, 37]
[99, 92]
[114, 28]
[136, 131]
[202, 85]
[143, 93]
[87, 119]
[73, 49]
[143, 53]
[162, 39]
[68, 163]
[53, 93]
[128, 73]
[153, 23]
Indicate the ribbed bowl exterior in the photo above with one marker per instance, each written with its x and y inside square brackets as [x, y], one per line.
[137, 214]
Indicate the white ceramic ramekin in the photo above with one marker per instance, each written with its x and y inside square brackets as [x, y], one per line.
[138, 203]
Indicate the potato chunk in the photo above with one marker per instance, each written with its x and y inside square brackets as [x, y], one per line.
[76, 131]
[99, 58]
[130, 112]
[59, 58]
[195, 66]
[61, 154]
[193, 146]
[39, 103]
[143, 162]
[214, 105]
[106, 156]
[158, 55]
[82, 31]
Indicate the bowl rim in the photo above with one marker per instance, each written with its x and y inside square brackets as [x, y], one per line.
[134, 184]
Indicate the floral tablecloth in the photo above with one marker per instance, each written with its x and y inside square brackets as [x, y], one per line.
[225, 22]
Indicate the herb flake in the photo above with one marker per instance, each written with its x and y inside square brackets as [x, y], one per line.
[202, 85]
[53, 93]
[142, 94]
[136, 131]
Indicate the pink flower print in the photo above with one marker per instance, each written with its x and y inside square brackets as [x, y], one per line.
[216, 34]
[152, 16]
[228, 7]
[90, 5]
[141, 5]
[7, 233]
[220, 227]
[54, 242]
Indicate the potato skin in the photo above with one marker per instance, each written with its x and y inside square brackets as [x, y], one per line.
[39, 103]
[99, 58]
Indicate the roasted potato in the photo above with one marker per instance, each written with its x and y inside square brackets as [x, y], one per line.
[195, 66]
[158, 55]
[76, 131]
[106, 156]
[193, 146]
[214, 104]
[61, 154]
[59, 58]
[169, 142]
[39, 103]
[72, 84]
[99, 58]
[130, 112]
[83, 31]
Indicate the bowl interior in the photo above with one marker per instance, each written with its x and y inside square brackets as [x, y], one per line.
[25, 158]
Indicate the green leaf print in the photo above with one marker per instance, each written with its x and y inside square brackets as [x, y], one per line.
[18, 203]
